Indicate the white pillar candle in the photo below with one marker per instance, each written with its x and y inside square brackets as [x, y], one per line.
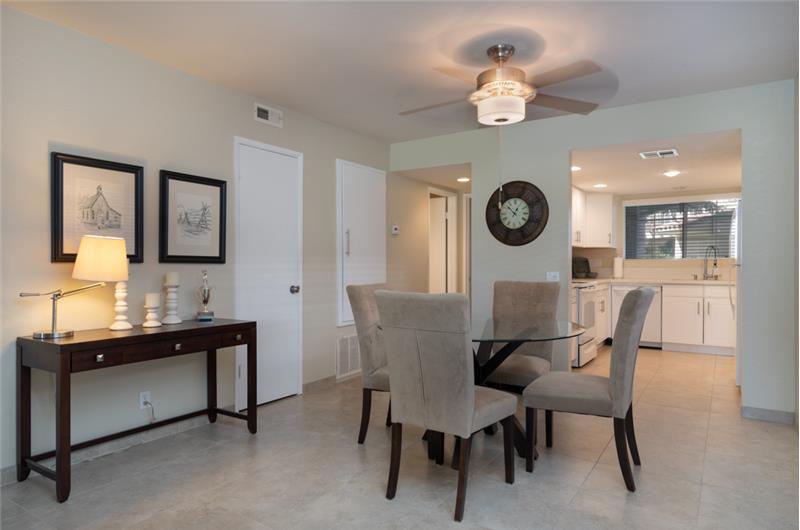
[152, 299]
[172, 279]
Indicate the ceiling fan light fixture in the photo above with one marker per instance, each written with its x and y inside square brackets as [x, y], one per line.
[501, 110]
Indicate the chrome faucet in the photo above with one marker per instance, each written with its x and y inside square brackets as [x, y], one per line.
[713, 275]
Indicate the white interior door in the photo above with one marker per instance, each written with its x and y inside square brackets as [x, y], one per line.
[269, 190]
[437, 245]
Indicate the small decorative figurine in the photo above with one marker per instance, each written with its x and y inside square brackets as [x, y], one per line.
[152, 301]
[172, 282]
[204, 293]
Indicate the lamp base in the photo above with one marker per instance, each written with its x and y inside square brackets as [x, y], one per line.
[50, 334]
[205, 316]
[120, 325]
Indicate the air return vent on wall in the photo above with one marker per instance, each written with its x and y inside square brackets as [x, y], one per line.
[348, 360]
[268, 115]
[659, 153]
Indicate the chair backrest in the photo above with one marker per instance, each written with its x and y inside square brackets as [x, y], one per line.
[627, 335]
[431, 372]
[365, 315]
[527, 302]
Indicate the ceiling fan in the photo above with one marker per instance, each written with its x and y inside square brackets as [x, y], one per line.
[502, 92]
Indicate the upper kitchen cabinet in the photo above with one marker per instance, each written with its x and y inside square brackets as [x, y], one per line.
[593, 219]
[578, 217]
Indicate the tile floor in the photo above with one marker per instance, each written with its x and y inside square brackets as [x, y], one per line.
[702, 467]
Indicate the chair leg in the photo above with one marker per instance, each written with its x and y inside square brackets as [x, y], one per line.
[437, 443]
[456, 452]
[463, 472]
[508, 447]
[622, 453]
[394, 465]
[366, 407]
[530, 438]
[632, 437]
[389, 414]
[548, 427]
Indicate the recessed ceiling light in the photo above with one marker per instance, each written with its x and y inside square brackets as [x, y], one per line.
[463, 179]
[576, 168]
[600, 186]
[672, 173]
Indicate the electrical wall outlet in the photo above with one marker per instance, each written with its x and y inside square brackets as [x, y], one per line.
[144, 396]
[553, 276]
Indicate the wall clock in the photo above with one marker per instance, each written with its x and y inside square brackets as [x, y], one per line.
[519, 216]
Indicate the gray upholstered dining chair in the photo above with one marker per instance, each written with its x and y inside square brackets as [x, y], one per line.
[374, 372]
[525, 302]
[594, 394]
[432, 375]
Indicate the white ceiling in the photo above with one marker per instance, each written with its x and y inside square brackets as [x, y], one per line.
[358, 64]
[706, 162]
[443, 176]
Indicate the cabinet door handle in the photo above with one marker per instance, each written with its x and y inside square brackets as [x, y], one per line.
[177, 347]
[708, 311]
[238, 336]
[579, 235]
[99, 358]
[347, 242]
[698, 308]
[609, 238]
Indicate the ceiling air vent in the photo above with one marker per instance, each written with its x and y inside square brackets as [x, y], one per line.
[268, 115]
[659, 153]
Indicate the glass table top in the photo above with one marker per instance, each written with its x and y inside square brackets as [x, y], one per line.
[510, 331]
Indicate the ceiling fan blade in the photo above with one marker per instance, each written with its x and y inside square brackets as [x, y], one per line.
[434, 106]
[567, 105]
[455, 73]
[565, 73]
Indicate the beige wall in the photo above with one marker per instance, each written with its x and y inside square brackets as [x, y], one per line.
[407, 252]
[64, 91]
[540, 150]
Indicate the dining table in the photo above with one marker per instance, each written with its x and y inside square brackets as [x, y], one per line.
[496, 340]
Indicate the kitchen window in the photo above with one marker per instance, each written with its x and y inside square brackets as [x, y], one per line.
[681, 230]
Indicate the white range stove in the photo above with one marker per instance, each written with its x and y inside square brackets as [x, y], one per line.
[585, 299]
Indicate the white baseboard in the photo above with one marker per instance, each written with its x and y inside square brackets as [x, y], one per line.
[774, 416]
[695, 348]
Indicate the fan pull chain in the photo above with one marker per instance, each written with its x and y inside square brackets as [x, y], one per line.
[500, 166]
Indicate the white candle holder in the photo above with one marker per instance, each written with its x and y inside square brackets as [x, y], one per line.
[171, 305]
[151, 318]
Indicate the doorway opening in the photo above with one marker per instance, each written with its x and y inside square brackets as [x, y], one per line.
[442, 241]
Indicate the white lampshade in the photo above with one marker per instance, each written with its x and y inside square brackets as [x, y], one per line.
[501, 110]
[101, 259]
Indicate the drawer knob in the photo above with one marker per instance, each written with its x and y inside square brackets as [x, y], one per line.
[99, 357]
[177, 347]
[238, 336]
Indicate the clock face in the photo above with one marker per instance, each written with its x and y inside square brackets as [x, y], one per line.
[514, 213]
[517, 215]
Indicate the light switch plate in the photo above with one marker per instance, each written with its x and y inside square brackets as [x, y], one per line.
[553, 276]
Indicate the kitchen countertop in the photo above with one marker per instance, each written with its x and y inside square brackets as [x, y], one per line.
[645, 281]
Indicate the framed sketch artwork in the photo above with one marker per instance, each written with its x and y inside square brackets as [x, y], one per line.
[191, 219]
[97, 197]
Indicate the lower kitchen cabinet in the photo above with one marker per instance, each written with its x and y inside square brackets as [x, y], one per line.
[720, 323]
[682, 319]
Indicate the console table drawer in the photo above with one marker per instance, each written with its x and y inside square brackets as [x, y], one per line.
[234, 338]
[101, 358]
[193, 344]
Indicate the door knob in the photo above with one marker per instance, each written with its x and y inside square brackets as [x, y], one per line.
[294, 289]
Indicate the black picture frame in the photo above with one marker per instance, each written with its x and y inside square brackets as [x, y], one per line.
[164, 218]
[57, 207]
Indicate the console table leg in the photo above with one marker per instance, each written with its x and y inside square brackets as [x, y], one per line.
[63, 428]
[252, 390]
[211, 384]
[23, 417]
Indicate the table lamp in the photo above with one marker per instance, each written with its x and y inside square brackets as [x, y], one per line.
[99, 258]
[104, 259]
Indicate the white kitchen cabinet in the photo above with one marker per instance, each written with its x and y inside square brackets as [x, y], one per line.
[720, 323]
[599, 221]
[682, 319]
[578, 217]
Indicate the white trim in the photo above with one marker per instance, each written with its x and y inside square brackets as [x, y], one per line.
[680, 198]
[466, 258]
[240, 357]
[340, 287]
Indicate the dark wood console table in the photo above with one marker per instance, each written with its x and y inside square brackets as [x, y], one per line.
[101, 348]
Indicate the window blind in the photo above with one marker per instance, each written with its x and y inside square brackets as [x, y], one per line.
[681, 230]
